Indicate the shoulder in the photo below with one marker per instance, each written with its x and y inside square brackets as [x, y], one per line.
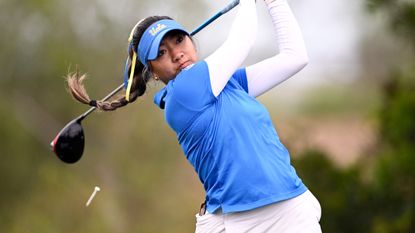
[194, 77]
[198, 68]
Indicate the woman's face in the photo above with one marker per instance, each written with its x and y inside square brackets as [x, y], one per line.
[176, 52]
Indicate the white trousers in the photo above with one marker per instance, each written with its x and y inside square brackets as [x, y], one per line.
[297, 215]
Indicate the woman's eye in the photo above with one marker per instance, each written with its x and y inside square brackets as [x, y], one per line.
[161, 52]
[180, 39]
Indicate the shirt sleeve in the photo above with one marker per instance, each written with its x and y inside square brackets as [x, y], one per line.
[192, 87]
[292, 56]
[240, 77]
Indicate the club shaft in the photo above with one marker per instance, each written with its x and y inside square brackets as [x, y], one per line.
[229, 7]
[115, 91]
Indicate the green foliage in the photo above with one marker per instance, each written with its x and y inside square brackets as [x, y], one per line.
[395, 173]
[383, 198]
[344, 198]
[376, 196]
[398, 112]
[394, 190]
[401, 16]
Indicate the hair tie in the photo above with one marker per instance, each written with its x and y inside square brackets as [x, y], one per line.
[93, 103]
[130, 80]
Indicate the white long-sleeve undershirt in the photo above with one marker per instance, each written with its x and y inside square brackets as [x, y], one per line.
[229, 56]
[264, 75]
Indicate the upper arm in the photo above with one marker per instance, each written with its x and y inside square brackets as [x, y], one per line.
[231, 54]
[292, 56]
[268, 73]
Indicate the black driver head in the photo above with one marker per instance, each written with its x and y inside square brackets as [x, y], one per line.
[68, 145]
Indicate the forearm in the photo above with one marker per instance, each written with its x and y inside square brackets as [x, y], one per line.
[292, 56]
[230, 55]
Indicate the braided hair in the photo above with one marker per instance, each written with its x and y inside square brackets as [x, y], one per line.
[141, 76]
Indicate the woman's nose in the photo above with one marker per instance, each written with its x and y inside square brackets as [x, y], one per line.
[177, 54]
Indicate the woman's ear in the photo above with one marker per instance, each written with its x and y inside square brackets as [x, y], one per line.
[150, 71]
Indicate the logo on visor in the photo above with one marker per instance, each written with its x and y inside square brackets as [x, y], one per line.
[157, 29]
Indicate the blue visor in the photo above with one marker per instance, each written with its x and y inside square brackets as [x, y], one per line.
[148, 47]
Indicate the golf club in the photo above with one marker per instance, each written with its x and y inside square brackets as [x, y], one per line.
[69, 143]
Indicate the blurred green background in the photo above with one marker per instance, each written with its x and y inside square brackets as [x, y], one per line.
[348, 118]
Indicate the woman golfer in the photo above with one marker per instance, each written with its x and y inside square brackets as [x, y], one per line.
[225, 133]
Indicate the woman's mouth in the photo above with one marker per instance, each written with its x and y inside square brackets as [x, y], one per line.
[184, 65]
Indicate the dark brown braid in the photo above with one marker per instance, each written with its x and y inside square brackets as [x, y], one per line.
[141, 75]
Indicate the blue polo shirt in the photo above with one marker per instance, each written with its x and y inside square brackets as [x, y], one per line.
[230, 141]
